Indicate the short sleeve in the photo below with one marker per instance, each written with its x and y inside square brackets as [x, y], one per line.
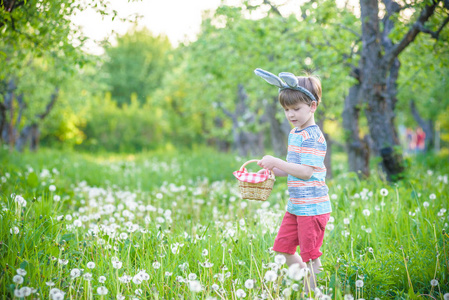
[313, 151]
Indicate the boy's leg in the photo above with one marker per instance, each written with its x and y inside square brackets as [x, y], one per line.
[314, 267]
[293, 259]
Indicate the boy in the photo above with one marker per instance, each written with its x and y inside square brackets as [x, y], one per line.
[308, 208]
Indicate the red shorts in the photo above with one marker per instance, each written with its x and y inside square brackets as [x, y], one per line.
[307, 232]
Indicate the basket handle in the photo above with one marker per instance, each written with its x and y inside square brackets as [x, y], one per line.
[256, 160]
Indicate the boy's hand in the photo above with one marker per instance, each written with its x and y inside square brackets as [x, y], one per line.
[268, 162]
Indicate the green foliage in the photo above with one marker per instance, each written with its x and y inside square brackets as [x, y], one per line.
[136, 65]
[178, 213]
[130, 128]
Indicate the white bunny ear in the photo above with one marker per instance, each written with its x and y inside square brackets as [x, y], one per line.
[270, 78]
[289, 78]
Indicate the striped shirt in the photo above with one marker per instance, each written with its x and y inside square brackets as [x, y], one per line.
[308, 197]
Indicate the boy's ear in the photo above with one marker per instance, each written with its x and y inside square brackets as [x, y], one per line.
[313, 106]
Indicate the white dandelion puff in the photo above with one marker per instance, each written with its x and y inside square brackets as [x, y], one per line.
[280, 259]
[156, 265]
[14, 230]
[52, 188]
[270, 276]
[195, 286]
[102, 290]
[74, 273]
[434, 282]
[102, 279]
[249, 284]
[17, 279]
[295, 272]
[359, 283]
[137, 279]
[21, 272]
[117, 264]
[384, 192]
[90, 265]
[240, 293]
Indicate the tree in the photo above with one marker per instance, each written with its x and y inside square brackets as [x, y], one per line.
[378, 72]
[136, 65]
[37, 55]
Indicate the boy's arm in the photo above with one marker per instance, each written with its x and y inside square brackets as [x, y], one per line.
[281, 167]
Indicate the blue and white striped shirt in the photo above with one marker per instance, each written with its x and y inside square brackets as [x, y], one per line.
[308, 197]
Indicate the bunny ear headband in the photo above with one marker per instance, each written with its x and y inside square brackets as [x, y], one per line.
[289, 81]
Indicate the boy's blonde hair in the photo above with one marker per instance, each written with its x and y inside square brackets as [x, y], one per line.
[289, 97]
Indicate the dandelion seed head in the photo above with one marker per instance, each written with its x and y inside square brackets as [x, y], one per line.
[346, 221]
[156, 265]
[192, 276]
[270, 276]
[102, 279]
[446, 296]
[117, 264]
[90, 265]
[432, 196]
[366, 212]
[215, 287]
[195, 286]
[74, 273]
[359, 283]
[50, 283]
[384, 192]
[348, 297]
[102, 290]
[17, 279]
[240, 293]
[434, 282]
[52, 188]
[21, 272]
[280, 259]
[249, 284]
[136, 279]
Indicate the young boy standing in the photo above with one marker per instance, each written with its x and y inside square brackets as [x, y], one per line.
[309, 207]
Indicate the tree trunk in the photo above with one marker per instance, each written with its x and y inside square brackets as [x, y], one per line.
[2, 120]
[24, 136]
[246, 142]
[357, 148]
[427, 126]
[373, 91]
[34, 138]
[278, 132]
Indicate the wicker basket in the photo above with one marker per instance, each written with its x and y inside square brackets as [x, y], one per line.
[256, 191]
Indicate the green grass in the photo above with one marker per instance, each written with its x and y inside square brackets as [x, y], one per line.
[178, 217]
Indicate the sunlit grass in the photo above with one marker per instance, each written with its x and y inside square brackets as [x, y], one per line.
[170, 225]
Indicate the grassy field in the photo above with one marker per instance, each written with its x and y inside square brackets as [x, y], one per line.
[172, 226]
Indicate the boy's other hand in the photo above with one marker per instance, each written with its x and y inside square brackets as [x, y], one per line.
[268, 162]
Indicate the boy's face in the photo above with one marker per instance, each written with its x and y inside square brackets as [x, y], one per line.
[300, 114]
